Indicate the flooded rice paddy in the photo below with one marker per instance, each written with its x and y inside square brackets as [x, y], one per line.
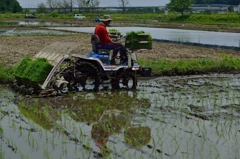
[226, 39]
[166, 117]
[30, 32]
[174, 35]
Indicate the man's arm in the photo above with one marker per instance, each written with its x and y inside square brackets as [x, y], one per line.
[112, 36]
[116, 37]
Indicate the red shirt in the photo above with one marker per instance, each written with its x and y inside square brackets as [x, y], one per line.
[102, 33]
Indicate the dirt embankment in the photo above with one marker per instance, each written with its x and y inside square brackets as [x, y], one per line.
[13, 49]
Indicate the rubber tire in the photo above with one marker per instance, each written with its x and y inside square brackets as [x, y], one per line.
[68, 74]
[94, 73]
[125, 74]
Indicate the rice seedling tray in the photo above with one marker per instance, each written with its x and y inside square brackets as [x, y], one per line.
[33, 72]
[114, 32]
[138, 40]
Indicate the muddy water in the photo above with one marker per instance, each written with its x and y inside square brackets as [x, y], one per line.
[167, 117]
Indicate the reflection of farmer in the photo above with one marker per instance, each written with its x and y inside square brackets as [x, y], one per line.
[137, 135]
[111, 122]
[100, 135]
[108, 124]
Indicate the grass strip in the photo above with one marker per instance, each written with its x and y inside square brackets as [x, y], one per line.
[196, 66]
[6, 73]
[161, 67]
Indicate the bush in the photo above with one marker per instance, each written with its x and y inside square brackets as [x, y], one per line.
[53, 14]
[207, 12]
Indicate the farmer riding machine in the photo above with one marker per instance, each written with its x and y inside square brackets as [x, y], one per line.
[54, 70]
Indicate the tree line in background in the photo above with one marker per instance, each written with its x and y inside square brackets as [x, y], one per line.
[10, 6]
[62, 5]
[183, 6]
[230, 2]
[66, 6]
[91, 5]
[82, 5]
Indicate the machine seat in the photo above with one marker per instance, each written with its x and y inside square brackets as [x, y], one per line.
[95, 41]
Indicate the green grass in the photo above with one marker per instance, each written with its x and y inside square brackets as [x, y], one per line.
[7, 23]
[182, 67]
[226, 18]
[6, 74]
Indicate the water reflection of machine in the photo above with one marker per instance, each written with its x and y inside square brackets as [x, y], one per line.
[108, 114]
[111, 114]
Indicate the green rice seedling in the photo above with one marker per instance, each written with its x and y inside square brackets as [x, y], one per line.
[138, 40]
[46, 152]
[83, 155]
[80, 130]
[40, 132]
[76, 151]
[2, 155]
[34, 114]
[33, 71]
[46, 136]
[114, 32]
[23, 65]
[64, 147]
[53, 140]
[26, 156]
[22, 153]
[6, 73]
[28, 138]
[13, 124]
[20, 130]
[8, 141]
[65, 150]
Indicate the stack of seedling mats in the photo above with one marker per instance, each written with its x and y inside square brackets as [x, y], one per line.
[138, 40]
[33, 71]
[114, 32]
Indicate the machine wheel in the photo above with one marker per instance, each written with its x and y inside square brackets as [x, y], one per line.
[68, 74]
[63, 88]
[125, 79]
[15, 86]
[87, 75]
[30, 91]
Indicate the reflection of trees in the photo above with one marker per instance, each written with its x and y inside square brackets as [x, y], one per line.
[90, 107]
[42, 117]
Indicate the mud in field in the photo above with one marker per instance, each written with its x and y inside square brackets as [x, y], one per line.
[166, 117]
